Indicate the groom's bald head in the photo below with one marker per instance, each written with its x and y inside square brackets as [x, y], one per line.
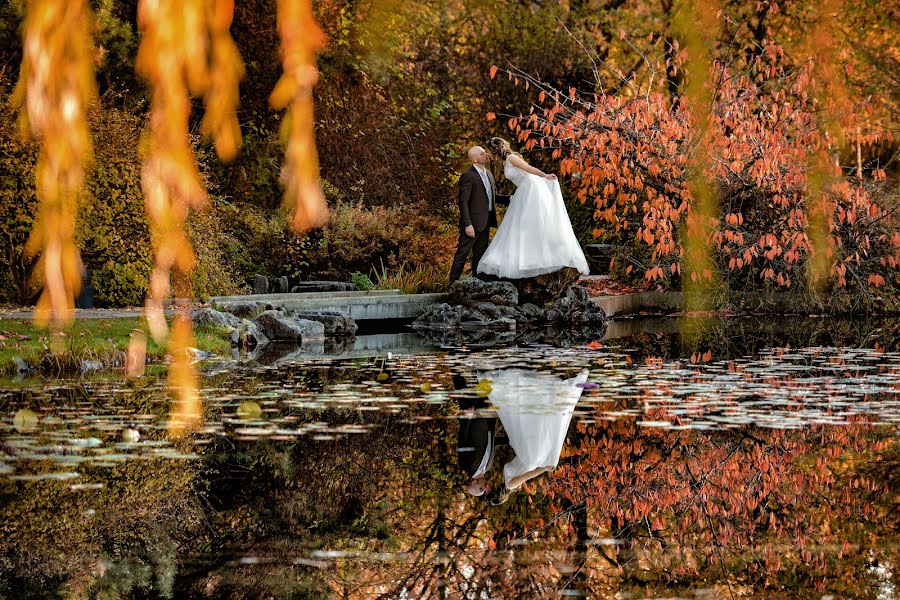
[478, 155]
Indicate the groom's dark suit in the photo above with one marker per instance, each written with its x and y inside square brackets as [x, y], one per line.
[475, 211]
[477, 434]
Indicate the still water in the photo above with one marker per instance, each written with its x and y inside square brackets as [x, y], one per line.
[677, 458]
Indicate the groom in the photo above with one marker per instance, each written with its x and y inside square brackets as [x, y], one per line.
[478, 199]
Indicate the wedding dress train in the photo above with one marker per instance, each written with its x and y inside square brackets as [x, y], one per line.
[536, 235]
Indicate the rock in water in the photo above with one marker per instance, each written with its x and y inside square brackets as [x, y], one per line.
[492, 311]
[545, 289]
[214, 318]
[251, 336]
[279, 328]
[245, 310]
[470, 292]
[335, 323]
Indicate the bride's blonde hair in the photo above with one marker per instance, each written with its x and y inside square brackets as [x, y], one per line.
[501, 147]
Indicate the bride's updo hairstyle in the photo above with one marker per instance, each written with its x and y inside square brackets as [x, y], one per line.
[500, 147]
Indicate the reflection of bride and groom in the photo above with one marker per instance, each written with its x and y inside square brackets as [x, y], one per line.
[534, 408]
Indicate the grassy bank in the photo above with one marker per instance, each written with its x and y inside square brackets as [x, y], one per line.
[102, 340]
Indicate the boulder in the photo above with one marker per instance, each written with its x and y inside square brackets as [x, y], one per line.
[322, 286]
[470, 292]
[260, 284]
[499, 324]
[279, 328]
[312, 330]
[252, 336]
[280, 285]
[335, 323]
[212, 318]
[530, 313]
[545, 289]
[440, 316]
[246, 310]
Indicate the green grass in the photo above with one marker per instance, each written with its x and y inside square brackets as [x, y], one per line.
[87, 339]
[413, 280]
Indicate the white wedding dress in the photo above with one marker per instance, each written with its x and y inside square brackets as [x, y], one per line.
[536, 234]
[535, 409]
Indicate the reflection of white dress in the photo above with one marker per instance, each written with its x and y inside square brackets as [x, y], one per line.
[536, 234]
[535, 409]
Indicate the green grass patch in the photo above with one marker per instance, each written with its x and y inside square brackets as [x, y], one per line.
[103, 340]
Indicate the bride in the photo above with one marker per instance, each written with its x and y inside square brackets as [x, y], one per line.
[536, 235]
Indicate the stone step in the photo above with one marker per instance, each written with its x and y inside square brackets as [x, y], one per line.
[299, 296]
[358, 305]
[626, 304]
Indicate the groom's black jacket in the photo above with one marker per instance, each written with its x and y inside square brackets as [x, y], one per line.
[473, 201]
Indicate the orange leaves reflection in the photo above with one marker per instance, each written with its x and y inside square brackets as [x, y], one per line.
[301, 38]
[55, 88]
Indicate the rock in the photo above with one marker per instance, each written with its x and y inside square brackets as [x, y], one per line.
[545, 289]
[246, 310]
[197, 354]
[311, 329]
[130, 436]
[21, 366]
[500, 324]
[529, 312]
[252, 335]
[278, 327]
[280, 285]
[576, 307]
[212, 318]
[322, 286]
[260, 284]
[440, 316]
[335, 323]
[87, 366]
[470, 292]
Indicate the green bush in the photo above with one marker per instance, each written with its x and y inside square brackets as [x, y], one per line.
[112, 232]
[361, 281]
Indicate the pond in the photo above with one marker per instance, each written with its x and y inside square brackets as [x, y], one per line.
[678, 458]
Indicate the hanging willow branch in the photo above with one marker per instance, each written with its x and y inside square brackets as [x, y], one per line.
[301, 38]
[186, 49]
[55, 89]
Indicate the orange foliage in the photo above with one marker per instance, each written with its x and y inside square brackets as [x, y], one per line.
[55, 89]
[301, 38]
[640, 161]
[185, 49]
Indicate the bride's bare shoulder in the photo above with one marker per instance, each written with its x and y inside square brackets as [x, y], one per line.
[516, 159]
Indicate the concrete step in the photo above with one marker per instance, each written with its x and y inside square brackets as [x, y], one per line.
[300, 296]
[385, 304]
[626, 304]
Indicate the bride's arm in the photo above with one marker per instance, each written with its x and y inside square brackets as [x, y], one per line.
[518, 161]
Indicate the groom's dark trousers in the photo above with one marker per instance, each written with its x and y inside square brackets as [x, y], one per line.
[474, 211]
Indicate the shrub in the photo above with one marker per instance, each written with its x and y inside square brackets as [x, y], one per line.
[367, 240]
[112, 228]
[361, 281]
[634, 160]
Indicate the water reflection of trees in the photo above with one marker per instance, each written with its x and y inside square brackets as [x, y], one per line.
[373, 514]
[762, 508]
